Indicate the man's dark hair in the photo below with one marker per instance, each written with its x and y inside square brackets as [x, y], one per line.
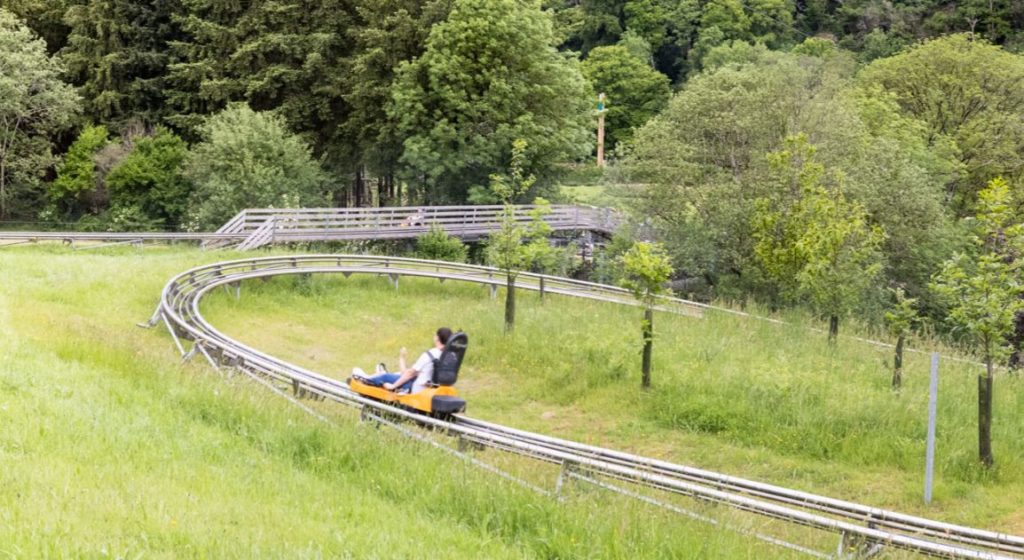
[443, 334]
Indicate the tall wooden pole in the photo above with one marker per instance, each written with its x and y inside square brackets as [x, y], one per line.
[600, 130]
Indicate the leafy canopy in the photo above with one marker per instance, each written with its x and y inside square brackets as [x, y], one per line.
[902, 316]
[76, 174]
[439, 246]
[151, 179]
[984, 288]
[815, 244]
[635, 91]
[249, 159]
[34, 106]
[646, 267]
[969, 94]
[490, 74]
[519, 245]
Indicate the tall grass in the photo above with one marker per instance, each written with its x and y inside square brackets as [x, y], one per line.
[109, 448]
[773, 402]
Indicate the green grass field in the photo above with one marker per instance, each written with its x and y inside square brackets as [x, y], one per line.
[111, 449]
[745, 397]
[594, 195]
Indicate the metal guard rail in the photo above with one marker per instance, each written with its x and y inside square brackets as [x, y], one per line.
[179, 309]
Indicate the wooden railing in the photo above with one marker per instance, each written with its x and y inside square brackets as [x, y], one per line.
[282, 225]
[258, 227]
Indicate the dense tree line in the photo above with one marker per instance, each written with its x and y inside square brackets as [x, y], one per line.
[679, 33]
[421, 100]
[397, 100]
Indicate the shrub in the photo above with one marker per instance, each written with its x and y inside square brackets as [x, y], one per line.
[250, 160]
[439, 246]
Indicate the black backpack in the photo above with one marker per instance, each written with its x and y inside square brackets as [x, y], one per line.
[446, 366]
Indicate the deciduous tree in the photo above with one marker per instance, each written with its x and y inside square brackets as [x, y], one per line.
[646, 268]
[970, 94]
[151, 179]
[517, 246]
[984, 291]
[490, 74]
[816, 245]
[72, 193]
[439, 246]
[250, 160]
[900, 319]
[635, 91]
[34, 105]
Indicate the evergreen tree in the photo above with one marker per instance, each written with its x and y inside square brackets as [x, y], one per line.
[45, 17]
[387, 33]
[280, 55]
[490, 74]
[117, 54]
[199, 81]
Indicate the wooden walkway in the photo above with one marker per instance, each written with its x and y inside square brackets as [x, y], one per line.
[254, 228]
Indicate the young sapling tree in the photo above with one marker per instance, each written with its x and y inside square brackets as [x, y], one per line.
[645, 269]
[900, 320]
[816, 244]
[984, 289]
[517, 246]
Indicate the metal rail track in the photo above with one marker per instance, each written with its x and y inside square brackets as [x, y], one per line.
[179, 310]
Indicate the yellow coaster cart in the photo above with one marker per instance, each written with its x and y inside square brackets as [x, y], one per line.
[439, 398]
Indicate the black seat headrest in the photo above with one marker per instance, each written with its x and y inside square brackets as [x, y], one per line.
[446, 366]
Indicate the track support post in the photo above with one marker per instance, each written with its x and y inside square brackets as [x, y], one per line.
[856, 547]
[568, 467]
[157, 315]
[366, 415]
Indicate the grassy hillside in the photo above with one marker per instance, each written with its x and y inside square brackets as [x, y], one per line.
[746, 397]
[109, 448]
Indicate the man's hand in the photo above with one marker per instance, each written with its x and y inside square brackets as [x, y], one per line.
[403, 353]
[389, 386]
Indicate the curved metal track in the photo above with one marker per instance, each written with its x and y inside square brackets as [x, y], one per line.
[179, 310]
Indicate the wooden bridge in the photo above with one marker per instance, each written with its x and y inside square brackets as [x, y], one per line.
[253, 228]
